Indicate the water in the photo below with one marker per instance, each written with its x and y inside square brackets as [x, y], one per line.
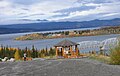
[17, 34]
[8, 39]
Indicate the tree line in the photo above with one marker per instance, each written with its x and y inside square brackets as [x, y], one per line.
[18, 53]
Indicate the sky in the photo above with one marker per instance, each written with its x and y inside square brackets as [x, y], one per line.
[23, 11]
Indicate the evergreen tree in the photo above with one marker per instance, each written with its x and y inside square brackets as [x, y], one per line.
[33, 52]
[7, 52]
[12, 52]
[39, 54]
[29, 53]
[46, 52]
[66, 32]
[42, 53]
[2, 52]
[26, 49]
[36, 53]
[52, 52]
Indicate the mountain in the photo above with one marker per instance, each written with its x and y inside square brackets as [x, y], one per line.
[46, 25]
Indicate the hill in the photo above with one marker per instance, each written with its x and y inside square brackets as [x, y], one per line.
[46, 26]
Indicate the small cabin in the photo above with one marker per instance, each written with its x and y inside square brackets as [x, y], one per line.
[66, 49]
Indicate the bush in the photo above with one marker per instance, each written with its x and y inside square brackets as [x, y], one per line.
[17, 55]
[115, 55]
[0, 59]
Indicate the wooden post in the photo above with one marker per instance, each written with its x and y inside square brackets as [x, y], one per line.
[77, 51]
[63, 51]
[71, 50]
[56, 51]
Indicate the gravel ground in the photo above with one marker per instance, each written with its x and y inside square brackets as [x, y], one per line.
[60, 67]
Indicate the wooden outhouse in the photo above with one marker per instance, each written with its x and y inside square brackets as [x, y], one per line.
[66, 49]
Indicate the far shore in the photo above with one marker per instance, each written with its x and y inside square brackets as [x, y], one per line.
[70, 33]
[24, 33]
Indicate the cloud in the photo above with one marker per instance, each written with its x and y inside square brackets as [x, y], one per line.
[111, 14]
[96, 1]
[60, 10]
[73, 9]
[25, 2]
[101, 10]
[18, 9]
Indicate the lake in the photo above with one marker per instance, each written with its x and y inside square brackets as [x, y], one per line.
[8, 39]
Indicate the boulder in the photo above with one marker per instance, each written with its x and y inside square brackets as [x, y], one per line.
[12, 59]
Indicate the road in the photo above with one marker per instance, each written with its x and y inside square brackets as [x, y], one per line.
[60, 67]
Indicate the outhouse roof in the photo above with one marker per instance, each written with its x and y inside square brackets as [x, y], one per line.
[66, 43]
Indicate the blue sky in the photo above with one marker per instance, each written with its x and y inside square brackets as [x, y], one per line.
[23, 11]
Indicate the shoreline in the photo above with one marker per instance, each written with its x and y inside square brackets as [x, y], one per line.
[69, 37]
[69, 34]
[48, 31]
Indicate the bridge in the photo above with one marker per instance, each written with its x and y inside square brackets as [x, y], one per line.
[86, 46]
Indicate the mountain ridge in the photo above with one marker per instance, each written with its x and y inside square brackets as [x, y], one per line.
[47, 26]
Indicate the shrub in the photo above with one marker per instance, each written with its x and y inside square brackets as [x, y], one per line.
[52, 52]
[115, 55]
[17, 55]
[0, 59]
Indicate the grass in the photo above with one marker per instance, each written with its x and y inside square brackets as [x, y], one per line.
[50, 57]
[100, 58]
[115, 55]
[112, 59]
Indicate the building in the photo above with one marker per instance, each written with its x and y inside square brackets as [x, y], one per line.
[66, 49]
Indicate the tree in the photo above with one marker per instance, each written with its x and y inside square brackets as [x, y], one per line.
[29, 53]
[42, 53]
[7, 52]
[39, 54]
[36, 53]
[17, 55]
[66, 32]
[2, 52]
[52, 52]
[26, 49]
[46, 52]
[22, 53]
[12, 52]
[33, 52]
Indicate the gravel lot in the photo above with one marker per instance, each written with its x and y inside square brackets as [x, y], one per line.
[60, 67]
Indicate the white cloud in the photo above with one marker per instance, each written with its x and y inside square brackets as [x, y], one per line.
[44, 9]
[110, 14]
[4, 3]
[110, 8]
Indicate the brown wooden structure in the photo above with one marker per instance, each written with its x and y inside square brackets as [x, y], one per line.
[67, 49]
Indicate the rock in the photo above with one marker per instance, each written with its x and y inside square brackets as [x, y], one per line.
[3, 60]
[6, 58]
[12, 59]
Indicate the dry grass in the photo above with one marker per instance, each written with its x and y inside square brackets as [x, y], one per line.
[100, 58]
[115, 55]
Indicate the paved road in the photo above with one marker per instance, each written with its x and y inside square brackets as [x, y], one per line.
[70, 67]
